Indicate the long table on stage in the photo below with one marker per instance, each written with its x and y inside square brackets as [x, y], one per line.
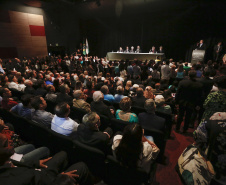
[132, 56]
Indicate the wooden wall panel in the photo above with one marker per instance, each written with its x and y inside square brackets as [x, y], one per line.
[15, 35]
[18, 17]
[7, 41]
[25, 51]
[34, 19]
[5, 29]
[38, 41]
[21, 29]
[40, 51]
[24, 41]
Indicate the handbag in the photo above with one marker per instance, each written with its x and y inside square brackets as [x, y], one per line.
[194, 169]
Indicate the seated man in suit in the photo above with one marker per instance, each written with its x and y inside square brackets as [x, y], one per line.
[41, 116]
[41, 88]
[61, 123]
[29, 89]
[139, 99]
[99, 106]
[79, 101]
[63, 95]
[88, 132]
[149, 119]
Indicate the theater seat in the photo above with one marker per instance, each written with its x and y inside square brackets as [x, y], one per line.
[119, 175]
[159, 140]
[93, 157]
[118, 125]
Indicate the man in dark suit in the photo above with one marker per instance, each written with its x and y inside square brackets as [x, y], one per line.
[139, 99]
[149, 119]
[41, 88]
[99, 106]
[138, 50]
[217, 51]
[63, 95]
[161, 50]
[201, 45]
[188, 96]
[88, 132]
[153, 50]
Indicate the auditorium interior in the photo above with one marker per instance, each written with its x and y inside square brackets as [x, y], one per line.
[112, 92]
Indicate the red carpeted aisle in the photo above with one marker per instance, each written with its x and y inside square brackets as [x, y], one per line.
[166, 174]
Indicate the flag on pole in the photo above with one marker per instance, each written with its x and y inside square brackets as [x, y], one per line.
[85, 47]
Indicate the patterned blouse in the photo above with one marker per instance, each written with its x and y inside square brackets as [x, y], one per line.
[215, 102]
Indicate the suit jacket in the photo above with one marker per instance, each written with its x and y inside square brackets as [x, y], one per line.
[138, 101]
[101, 108]
[203, 47]
[151, 121]
[92, 138]
[216, 48]
[64, 98]
[189, 93]
[40, 91]
[207, 86]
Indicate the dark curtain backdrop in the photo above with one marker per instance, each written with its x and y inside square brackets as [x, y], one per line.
[177, 30]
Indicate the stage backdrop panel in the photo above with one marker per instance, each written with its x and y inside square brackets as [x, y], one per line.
[22, 34]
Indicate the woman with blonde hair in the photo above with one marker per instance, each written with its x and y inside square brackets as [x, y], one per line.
[148, 94]
[127, 87]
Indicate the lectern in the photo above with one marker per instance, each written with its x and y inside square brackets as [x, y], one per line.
[197, 55]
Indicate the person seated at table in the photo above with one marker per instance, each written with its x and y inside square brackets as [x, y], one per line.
[133, 149]
[153, 50]
[138, 50]
[126, 50]
[125, 114]
[120, 50]
[132, 50]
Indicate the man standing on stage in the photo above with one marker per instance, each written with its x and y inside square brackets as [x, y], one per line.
[201, 45]
[217, 51]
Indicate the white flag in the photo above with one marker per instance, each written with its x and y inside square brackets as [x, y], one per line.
[87, 47]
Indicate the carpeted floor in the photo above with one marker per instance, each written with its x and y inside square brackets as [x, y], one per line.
[166, 174]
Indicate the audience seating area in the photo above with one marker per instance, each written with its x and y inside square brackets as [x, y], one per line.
[102, 166]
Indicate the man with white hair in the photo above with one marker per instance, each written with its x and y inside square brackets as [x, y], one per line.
[149, 119]
[99, 106]
[88, 132]
[160, 105]
[49, 80]
[29, 89]
[79, 101]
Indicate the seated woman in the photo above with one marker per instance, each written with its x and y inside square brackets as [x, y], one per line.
[125, 114]
[133, 150]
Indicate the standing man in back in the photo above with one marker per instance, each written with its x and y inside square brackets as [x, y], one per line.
[188, 97]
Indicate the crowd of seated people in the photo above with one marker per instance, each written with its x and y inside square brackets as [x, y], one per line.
[147, 85]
